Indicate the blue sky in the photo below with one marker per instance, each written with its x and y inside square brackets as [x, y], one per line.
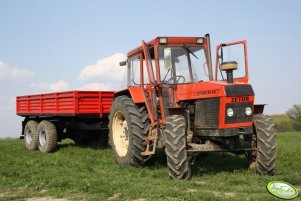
[50, 45]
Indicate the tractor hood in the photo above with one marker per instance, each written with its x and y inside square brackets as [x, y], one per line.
[212, 89]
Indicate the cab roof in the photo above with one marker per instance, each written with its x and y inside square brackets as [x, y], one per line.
[170, 41]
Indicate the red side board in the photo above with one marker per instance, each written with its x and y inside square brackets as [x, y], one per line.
[70, 103]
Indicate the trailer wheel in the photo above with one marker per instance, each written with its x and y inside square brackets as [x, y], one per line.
[177, 158]
[126, 131]
[265, 158]
[47, 137]
[31, 135]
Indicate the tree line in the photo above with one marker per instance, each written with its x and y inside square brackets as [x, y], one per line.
[290, 121]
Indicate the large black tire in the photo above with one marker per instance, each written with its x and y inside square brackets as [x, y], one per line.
[264, 159]
[47, 137]
[176, 151]
[127, 131]
[31, 135]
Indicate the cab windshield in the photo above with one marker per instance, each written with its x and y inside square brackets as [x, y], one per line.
[182, 64]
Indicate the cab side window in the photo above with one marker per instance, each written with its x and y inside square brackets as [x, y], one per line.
[134, 71]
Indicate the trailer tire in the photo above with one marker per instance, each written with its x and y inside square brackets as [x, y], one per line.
[47, 133]
[265, 157]
[31, 135]
[126, 131]
[177, 158]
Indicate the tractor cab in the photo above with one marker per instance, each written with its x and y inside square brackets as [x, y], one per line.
[171, 73]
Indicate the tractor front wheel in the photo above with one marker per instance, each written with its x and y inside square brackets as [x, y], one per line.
[176, 151]
[264, 158]
[127, 136]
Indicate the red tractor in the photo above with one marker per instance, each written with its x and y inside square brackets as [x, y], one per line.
[173, 100]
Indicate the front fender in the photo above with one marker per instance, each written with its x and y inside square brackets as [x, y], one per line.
[136, 93]
[258, 108]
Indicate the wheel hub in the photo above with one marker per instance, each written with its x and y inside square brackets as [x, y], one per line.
[28, 136]
[120, 134]
[42, 138]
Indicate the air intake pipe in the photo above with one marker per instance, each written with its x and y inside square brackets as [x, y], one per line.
[229, 66]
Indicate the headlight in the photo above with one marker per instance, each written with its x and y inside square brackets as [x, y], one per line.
[200, 40]
[163, 40]
[230, 112]
[248, 111]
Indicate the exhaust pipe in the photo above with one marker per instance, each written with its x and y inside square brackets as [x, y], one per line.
[209, 59]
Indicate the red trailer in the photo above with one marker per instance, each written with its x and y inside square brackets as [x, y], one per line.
[79, 115]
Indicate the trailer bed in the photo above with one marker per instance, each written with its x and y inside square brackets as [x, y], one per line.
[69, 103]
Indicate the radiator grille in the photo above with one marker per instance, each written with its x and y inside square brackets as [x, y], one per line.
[207, 113]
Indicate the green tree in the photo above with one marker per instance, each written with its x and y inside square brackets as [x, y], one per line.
[283, 122]
[295, 114]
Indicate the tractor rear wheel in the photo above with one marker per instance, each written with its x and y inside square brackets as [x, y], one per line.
[31, 135]
[177, 158]
[265, 141]
[127, 131]
[47, 137]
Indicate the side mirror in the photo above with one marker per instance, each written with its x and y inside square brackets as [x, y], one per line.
[122, 63]
[167, 59]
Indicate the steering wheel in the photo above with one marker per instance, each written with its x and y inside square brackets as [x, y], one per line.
[178, 78]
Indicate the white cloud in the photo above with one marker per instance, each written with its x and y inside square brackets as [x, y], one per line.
[97, 86]
[8, 72]
[7, 106]
[106, 70]
[51, 87]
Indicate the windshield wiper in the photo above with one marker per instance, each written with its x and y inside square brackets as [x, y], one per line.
[165, 75]
[189, 51]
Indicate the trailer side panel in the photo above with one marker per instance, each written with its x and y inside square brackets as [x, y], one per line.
[70, 103]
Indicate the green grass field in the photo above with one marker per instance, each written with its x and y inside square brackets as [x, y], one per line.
[82, 173]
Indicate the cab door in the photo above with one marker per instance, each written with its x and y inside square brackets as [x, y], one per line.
[233, 51]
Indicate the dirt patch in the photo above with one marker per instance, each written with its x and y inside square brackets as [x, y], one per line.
[191, 190]
[43, 191]
[200, 183]
[21, 189]
[298, 187]
[4, 194]
[222, 194]
[229, 194]
[46, 199]
[114, 196]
